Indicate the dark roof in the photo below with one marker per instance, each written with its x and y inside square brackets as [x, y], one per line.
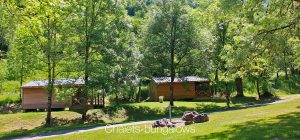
[43, 83]
[182, 79]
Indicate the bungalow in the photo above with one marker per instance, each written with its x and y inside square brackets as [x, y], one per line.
[35, 95]
[184, 88]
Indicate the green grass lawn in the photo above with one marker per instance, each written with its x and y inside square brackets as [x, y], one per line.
[155, 110]
[277, 121]
[18, 124]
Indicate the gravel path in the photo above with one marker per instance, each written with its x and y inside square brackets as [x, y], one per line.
[81, 130]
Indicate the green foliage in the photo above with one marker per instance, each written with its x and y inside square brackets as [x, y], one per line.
[116, 44]
[291, 85]
[10, 86]
[161, 99]
[9, 98]
[187, 41]
[65, 93]
[3, 72]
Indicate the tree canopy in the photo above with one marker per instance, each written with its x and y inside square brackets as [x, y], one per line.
[116, 45]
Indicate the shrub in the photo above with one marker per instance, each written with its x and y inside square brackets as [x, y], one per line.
[161, 99]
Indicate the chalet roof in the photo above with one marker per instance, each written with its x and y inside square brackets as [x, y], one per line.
[43, 83]
[181, 79]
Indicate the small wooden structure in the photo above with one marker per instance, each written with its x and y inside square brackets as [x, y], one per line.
[189, 87]
[35, 94]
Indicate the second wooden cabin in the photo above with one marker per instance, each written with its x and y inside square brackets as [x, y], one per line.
[189, 87]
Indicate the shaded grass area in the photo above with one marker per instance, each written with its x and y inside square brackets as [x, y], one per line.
[277, 121]
[12, 125]
[155, 110]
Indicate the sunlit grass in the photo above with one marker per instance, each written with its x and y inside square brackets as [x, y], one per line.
[278, 121]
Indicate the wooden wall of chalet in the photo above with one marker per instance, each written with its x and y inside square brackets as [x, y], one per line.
[36, 98]
[181, 90]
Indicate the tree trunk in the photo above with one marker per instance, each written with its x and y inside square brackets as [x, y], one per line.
[85, 92]
[49, 86]
[138, 97]
[49, 104]
[172, 67]
[257, 88]
[86, 68]
[277, 79]
[117, 98]
[21, 78]
[131, 93]
[227, 92]
[103, 99]
[285, 65]
[172, 93]
[286, 73]
[98, 100]
[292, 70]
[217, 82]
[239, 87]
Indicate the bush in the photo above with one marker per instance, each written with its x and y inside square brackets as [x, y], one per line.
[291, 85]
[9, 98]
[144, 92]
[9, 86]
[161, 99]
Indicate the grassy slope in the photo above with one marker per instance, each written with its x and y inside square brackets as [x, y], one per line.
[278, 121]
[22, 122]
[31, 123]
[16, 124]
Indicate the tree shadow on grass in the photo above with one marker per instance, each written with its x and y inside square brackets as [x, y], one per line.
[136, 113]
[253, 100]
[281, 127]
[238, 100]
[200, 107]
[216, 100]
[64, 121]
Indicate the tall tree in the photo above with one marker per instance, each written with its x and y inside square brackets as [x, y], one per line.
[41, 28]
[171, 35]
[97, 26]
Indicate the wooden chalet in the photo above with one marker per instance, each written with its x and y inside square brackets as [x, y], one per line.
[189, 87]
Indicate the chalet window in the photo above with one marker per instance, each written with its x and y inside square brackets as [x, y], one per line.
[202, 86]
